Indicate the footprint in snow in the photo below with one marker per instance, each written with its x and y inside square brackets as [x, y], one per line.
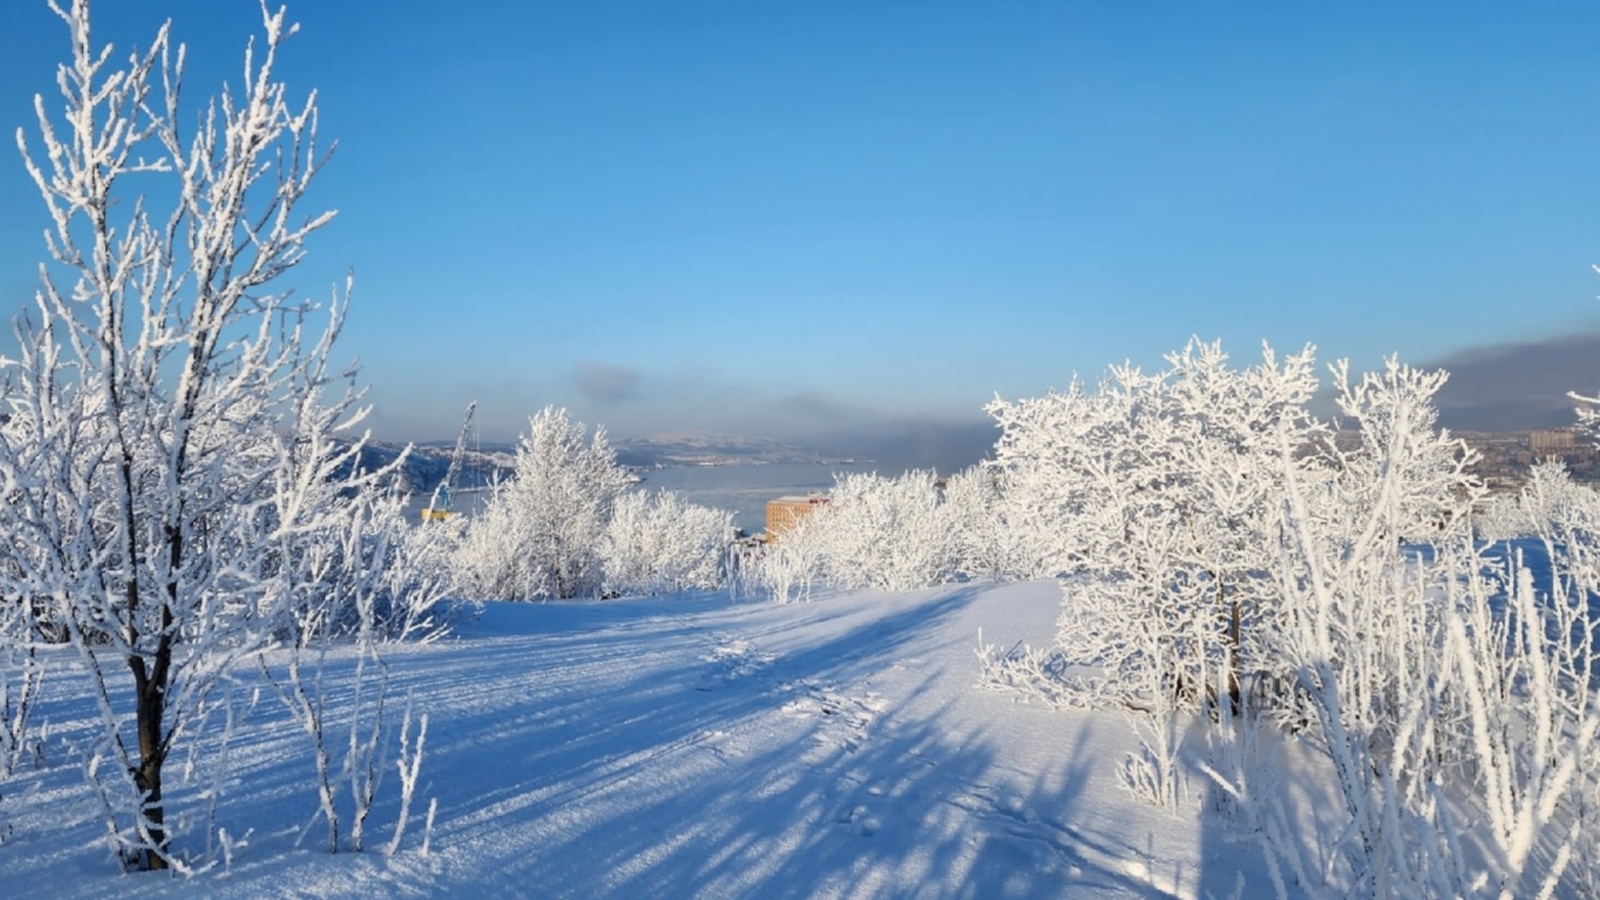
[732, 658]
[859, 820]
[721, 744]
[842, 721]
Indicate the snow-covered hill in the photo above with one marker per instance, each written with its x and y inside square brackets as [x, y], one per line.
[679, 748]
[425, 466]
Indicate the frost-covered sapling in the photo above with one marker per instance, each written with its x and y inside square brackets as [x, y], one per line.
[165, 380]
[360, 584]
[541, 533]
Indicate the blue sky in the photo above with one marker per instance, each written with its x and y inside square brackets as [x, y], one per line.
[802, 219]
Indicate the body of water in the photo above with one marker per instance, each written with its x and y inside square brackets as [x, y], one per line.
[741, 489]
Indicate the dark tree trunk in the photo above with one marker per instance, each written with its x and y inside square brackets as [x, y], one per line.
[1234, 652]
[151, 707]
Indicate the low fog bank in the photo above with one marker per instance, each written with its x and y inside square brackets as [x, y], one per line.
[1518, 386]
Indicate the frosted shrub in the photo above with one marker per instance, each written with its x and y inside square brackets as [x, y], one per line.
[987, 546]
[1154, 492]
[379, 571]
[1217, 538]
[790, 566]
[366, 579]
[418, 579]
[1450, 694]
[1501, 518]
[659, 544]
[541, 533]
[566, 526]
[892, 534]
[1550, 500]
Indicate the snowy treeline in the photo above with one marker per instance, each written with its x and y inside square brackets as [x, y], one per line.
[567, 525]
[1228, 563]
[180, 499]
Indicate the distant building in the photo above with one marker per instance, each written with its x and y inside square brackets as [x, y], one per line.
[784, 513]
[1555, 441]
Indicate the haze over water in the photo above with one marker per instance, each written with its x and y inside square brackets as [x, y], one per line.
[742, 489]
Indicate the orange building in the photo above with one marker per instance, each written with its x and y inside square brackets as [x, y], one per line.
[785, 513]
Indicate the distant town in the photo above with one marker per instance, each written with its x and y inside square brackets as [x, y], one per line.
[1506, 457]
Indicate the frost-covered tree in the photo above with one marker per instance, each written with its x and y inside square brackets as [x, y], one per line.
[1151, 494]
[983, 539]
[541, 533]
[170, 419]
[657, 543]
[890, 533]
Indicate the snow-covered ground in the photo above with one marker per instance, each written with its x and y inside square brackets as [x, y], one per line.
[683, 748]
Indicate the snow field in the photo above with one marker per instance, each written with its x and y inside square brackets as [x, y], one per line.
[680, 748]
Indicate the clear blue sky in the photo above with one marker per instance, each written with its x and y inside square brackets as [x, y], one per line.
[783, 218]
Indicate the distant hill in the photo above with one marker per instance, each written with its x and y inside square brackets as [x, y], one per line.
[894, 446]
[426, 466]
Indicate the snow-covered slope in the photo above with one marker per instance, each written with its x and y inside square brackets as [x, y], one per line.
[683, 748]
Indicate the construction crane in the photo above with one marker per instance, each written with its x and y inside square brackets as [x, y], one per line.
[439, 507]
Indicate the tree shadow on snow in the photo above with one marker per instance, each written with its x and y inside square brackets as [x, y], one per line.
[694, 749]
[756, 774]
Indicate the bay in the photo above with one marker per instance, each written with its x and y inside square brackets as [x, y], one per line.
[742, 489]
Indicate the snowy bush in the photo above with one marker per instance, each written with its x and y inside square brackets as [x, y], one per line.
[1452, 697]
[792, 565]
[1549, 499]
[889, 533]
[371, 570]
[987, 545]
[656, 543]
[1155, 493]
[541, 533]
[892, 534]
[1222, 540]
[565, 526]
[1501, 517]
[1358, 636]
